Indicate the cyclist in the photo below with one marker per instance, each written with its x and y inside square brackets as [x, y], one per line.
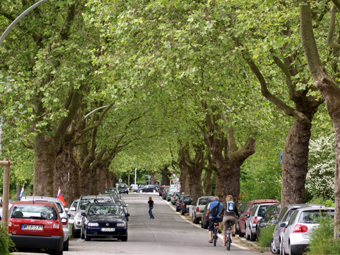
[213, 219]
[228, 214]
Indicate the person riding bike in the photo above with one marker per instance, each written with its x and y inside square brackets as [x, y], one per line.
[213, 219]
[229, 212]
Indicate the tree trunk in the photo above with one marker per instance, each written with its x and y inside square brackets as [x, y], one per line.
[45, 156]
[152, 178]
[208, 180]
[219, 186]
[295, 164]
[103, 179]
[112, 179]
[165, 175]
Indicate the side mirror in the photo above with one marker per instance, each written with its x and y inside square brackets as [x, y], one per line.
[246, 216]
[127, 214]
[83, 214]
[283, 224]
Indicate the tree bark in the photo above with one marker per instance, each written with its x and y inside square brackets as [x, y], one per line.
[165, 175]
[208, 180]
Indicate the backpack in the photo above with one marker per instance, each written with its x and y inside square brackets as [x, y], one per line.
[230, 207]
[214, 210]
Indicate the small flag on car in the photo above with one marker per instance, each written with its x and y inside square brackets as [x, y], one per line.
[21, 192]
[60, 197]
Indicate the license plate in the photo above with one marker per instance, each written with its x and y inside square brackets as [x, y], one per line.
[108, 229]
[32, 227]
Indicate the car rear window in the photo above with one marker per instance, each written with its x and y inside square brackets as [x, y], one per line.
[203, 201]
[187, 199]
[40, 212]
[314, 215]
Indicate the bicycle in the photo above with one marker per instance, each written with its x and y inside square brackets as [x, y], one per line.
[228, 235]
[215, 232]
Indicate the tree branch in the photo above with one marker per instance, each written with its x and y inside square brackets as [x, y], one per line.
[330, 33]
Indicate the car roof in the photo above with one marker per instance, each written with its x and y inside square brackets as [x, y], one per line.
[31, 202]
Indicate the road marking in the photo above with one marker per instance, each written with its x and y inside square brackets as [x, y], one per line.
[198, 226]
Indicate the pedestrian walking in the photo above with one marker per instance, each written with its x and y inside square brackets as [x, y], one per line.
[150, 202]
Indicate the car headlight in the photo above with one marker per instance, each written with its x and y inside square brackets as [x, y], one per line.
[123, 224]
[92, 224]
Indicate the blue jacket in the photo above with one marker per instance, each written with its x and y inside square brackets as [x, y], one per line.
[212, 205]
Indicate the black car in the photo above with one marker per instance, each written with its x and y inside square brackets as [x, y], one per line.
[270, 217]
[104, 220]
[123, 188]
[148, 188]
[186, 200]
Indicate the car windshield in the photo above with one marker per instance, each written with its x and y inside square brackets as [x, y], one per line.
[122, 186]
[84, 202]
[40, 212]
[104, 210]
[313, 216]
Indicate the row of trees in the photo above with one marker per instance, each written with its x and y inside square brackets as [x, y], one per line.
[185, 86]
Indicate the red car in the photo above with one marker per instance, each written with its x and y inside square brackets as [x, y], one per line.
[36, 226]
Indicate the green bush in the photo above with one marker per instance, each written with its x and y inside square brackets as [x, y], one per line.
[6, 244]
[265, 236]
[322, 239]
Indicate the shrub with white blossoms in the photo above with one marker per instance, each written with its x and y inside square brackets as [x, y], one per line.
[321, 164]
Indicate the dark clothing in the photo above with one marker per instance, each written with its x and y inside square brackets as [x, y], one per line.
[150, 202]
[212, 221]
[225, 213]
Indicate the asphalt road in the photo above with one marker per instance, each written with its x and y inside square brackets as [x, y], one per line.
[169, 233]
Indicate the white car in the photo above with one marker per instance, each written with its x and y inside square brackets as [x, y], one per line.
[199, 208]
[297, 231]
[62, 213]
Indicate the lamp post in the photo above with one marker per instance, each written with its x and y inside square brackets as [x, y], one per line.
[9, 28]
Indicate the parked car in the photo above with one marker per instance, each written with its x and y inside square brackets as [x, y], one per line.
[204, 219]
[297, 231]
[178, 203]
[134, 187]
[270, 217]
[148, 188]
[174, 197]
[34, 225]
[104, 220]
[169, 193]
[199, 208]
[285, 214]
[165, 192]
[160, 190]
[112, 192]
[245, 210]
[123, 206]
[61, 210]
[256, 213]
[72, 211]
[185, 200]
[82, 204]
[123, 188]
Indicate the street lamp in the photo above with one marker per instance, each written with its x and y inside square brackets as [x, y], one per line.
[9, 28]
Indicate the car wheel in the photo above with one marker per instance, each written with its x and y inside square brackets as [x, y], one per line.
[290, 250]
[240, 234]
[273, 248]
[196, 221]
[87, 238]
[205, 226]
[247, 234]
[65, 245]
[82, 234]
[252, 236]
[182, 213]
[57, 252]
[177, 210]
[75, 233]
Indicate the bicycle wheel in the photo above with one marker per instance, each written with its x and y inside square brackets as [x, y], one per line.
[215, 236]
[228, 240]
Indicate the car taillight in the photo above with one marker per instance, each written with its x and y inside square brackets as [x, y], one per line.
[255, 220]
[178, 203]
[9, 227]
[57, 230]
[64, 221]
[183, 205]
[56, 226]
[299, 228]
[197, 209]
[206, 217]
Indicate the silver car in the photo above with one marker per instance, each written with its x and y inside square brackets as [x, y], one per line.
[72, 211]
[285, 214]
[83, 202]
[62, 214]
[256, 214]
[297, 231]
[199, 208]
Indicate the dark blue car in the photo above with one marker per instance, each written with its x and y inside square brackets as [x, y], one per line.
[104, 220]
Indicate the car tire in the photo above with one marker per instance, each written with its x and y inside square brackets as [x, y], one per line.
[240, 234]
[273, 248]
[182, 213]
[247, 234]
[65, 245]
[195, 220]
[124, 239]
[177, 210]
[57, 252]
[252, 236]
[290, 250]
[75, 233]
[205, 226]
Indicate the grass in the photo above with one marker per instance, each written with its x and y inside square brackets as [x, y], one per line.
[265, 236]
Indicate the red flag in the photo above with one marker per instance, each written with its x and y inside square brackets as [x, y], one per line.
[60, 197]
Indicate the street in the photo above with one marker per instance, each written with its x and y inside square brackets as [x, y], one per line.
[169, 233]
